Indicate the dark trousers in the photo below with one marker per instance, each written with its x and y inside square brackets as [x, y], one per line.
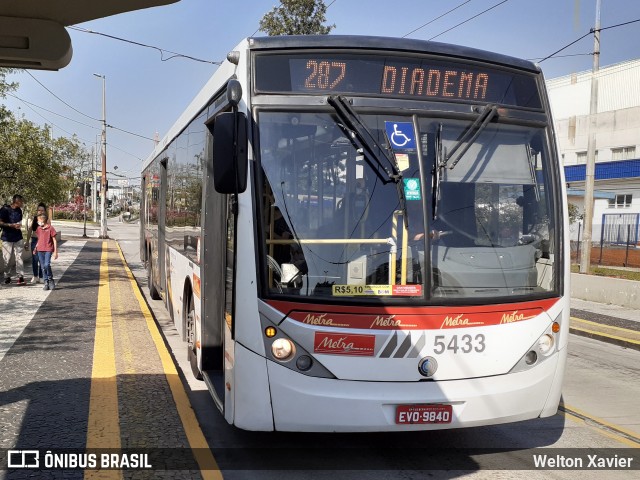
[35, 261]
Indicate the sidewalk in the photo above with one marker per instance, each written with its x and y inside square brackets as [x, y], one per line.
[69, 228]
[19, 303]
[610, 310]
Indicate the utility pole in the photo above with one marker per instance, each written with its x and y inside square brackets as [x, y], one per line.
[85, 184]
[94, 182]
[589, 181]
[103, 180]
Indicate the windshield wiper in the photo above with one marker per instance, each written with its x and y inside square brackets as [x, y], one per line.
[362, 139]
[531, 157]
[436, 175]
[468, 136]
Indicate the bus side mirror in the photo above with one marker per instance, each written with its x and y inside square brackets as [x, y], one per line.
[230, 161]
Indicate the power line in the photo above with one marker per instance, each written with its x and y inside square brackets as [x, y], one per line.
[161, 50]
[437, 18]
[587, 75]
[586, 35]
[45, 118]
[565, 47]
[563, 56]
[71, 107]
[130, 133]
[469, 19]
[50, 111]
[90, 142]
[124, 151]
[620, 24]
[81, 123]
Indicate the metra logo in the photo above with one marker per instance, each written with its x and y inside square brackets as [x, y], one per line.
[390, 321]
[513, 317]
[312, 319]
[339, 343]
[336, 344]
[458, 321]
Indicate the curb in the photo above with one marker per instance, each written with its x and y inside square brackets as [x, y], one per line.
[597, 331]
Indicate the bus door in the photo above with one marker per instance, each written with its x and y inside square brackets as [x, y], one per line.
[144, 219]
[162, 214]
[218, 227]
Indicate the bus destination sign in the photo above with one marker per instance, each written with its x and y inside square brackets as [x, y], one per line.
[392, 76]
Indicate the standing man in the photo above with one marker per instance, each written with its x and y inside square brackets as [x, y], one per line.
[12, 242]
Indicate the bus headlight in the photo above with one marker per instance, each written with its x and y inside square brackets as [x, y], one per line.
[304, 363]
[545, 344]
[282, 348]
[541, 350]
[531, 357]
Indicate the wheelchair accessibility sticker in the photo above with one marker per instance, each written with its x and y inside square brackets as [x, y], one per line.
[401, 135]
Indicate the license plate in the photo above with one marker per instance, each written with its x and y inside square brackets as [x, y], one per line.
[422, 414]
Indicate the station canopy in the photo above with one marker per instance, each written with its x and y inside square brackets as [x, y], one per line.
[32, 33]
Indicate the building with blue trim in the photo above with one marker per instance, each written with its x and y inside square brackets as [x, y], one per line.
[617, 132]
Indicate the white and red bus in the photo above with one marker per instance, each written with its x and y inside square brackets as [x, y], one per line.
[365, 234]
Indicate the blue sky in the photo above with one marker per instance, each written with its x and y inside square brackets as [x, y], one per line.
[146, 95]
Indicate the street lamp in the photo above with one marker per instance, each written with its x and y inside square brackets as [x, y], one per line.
[84, 195]
[103, 181]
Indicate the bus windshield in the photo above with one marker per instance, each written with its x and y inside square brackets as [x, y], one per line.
[333, 227]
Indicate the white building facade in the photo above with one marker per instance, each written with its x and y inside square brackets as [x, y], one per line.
[617, 132]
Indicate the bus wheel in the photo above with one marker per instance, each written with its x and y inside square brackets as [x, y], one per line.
[153, 291]
[191, 339]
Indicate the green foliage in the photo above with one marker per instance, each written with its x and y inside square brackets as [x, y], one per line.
[6, 87]
[574, 213]
[296, 17]
[616, 273]
[28, 165]
[32, 164]
[609, 272]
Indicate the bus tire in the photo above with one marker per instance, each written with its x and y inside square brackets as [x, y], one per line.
[190, 313]
[153, 291]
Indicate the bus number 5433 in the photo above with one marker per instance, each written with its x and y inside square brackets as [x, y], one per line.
[462, 344]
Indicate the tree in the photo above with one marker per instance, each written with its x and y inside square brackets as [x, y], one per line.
[296, 17]
[29, 164]
[574, 213]
[6, 87]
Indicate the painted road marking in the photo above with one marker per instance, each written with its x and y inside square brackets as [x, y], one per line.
[610, 430]
[604, 325]
[601, 334]
[200, 448]
[626, 341]
[103, 426]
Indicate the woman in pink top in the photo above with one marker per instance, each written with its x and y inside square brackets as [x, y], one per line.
[46, 247]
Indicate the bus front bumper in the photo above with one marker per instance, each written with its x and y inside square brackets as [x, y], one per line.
[303, 403]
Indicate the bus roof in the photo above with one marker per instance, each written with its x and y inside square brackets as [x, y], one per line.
[293, 42]
[388, 43]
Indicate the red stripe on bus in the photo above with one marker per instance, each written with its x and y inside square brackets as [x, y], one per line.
[411, 318]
